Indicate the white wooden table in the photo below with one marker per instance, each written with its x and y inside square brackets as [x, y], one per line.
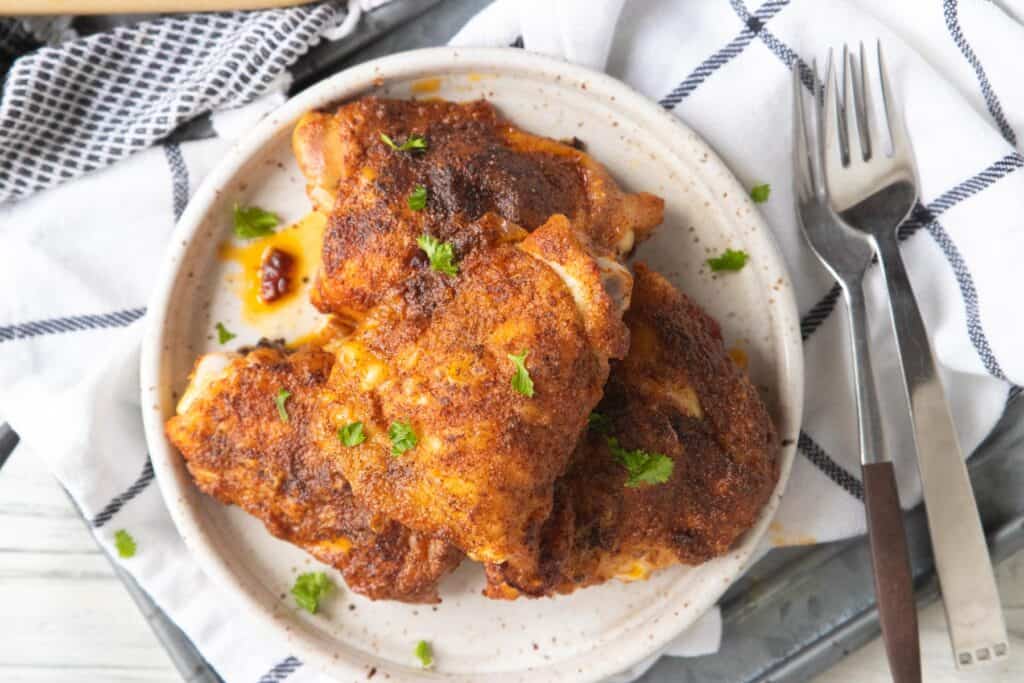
[66, 618]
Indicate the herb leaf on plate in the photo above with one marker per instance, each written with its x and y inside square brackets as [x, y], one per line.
[223, 334]
[310, 589]
[730, 260]
[252, 221]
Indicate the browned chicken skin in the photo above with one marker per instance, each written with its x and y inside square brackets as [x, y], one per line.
[676, 393]
[679, 394]
[437, 359]
[475, 163]
[240, 451]
[537, 228]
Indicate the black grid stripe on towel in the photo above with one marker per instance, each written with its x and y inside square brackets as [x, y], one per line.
[81, 106]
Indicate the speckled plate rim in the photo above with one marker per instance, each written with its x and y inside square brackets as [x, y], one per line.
[169, 468]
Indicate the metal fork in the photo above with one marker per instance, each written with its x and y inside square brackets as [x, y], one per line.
[875, 192]
[847, 255]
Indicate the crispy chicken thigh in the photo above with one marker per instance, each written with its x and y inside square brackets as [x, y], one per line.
[676, 393]
[474, 163]
[435, 358]
[240, 451]
[679, 394]
[457, 457]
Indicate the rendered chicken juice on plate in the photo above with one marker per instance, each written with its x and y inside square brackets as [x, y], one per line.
[502, 387]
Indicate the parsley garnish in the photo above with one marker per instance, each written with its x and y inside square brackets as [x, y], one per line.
[441, 254]
[599, 423]
[418, 199]
[279, 400]
[729, 260]
[521, 381]
[413, 143]
[124, 543]
[352, 434]
[252, 221]
[309, 589]
[223, 334]
[759, 193]
[643, 467]
[424, 653]
[402, 437]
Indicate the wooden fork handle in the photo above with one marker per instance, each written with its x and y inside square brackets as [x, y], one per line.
[894, 586]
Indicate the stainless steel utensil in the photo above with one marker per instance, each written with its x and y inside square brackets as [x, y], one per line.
[874, 192]
[847, 255]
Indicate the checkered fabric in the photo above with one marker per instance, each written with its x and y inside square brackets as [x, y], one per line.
[85, 104]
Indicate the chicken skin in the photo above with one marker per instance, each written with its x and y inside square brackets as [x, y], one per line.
[241, 451]
[476, 271]
[678, 394]
[470, 162]
[436, 362]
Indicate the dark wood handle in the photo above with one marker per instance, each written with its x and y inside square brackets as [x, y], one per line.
[890, 559]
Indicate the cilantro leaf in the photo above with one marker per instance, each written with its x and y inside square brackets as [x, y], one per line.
[759, 193]
[124, 543]
[521, 381]
[599, 423]
[279, 400]
[729, 260]
[403, 438]
[424, 653]
[413, 143]
[643, 467]
[252, 221]
[418, 199]
[441, 254]
[352, 434]
[223, 334]
[309, 589]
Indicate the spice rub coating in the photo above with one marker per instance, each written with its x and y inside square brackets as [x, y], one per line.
[486, 456]
[679, 394]
[474, 163]
[284, 472]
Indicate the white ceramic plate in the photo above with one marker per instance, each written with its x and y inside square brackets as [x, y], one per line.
[586, 636]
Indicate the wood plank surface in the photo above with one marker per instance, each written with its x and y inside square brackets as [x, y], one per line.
[68, 619]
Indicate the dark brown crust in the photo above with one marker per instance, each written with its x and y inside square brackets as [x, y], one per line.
[726, 457]
[475, 164]
[482, 473]
[239, 451]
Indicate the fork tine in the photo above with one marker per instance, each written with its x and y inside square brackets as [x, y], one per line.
[867, 119]
[843, 108]
[802, 164]
[893, 115]
[828, 147]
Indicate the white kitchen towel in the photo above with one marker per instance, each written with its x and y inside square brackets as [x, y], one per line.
[82, 104]
[78, 260]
